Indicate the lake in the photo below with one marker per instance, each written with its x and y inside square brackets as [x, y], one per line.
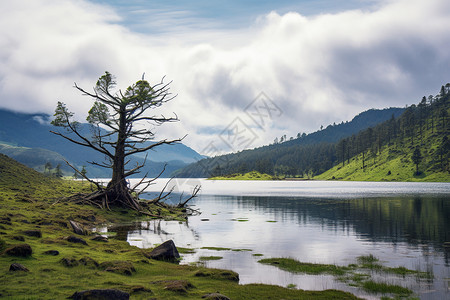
[327, 222]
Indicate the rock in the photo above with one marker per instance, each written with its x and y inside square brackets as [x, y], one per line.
[35, 233]
[78, 228]
[140, 288]
[90, 218]
[5, 220]
[179, 286]
[105, 294]
[215, 296]
[69, 262]
[51, 252]
[74, 239]
[19, 250]
[89, 262]
[18, 267]
[19, 238]
[118, 266]
[166, 251]
[100, 238]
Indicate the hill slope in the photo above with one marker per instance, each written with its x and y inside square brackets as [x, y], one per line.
[388, 154]
[313, 153]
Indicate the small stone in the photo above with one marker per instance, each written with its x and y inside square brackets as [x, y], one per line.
[89, 262]
[19, 250]
[118, 266]
[51, 252]
[105, 294]
[179, 286]
[18, 267]
[140, 288]
[19, 238]
[34, 233]
[69, 262]
[74, 239]
[100, 238]
[215, 296]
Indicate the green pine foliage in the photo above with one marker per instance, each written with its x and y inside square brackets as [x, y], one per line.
[413, 147]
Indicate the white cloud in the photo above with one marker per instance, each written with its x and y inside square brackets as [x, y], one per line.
[318, 69]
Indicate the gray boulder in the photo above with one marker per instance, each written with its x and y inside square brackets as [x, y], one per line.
[74, 239]
[166, 252]
[18, 267]
[78, 228]
[19, 250]
[105, 294]
[215, 296]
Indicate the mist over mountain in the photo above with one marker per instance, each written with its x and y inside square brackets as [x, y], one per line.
[27, 138]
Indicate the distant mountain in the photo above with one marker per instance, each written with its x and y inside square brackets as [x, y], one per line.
[334, 133]
[30, 142]
[313, 153]
[35, 158]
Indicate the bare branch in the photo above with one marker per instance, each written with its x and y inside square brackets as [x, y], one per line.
[87, 143]
[155, 145]
[84, 176]
[193, 195]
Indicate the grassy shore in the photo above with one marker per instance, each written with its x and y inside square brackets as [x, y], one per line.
[33, 213]
[253, 175]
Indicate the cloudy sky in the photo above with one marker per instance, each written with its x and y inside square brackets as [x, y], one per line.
[245, 72]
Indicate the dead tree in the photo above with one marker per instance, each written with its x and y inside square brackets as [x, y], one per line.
[120, 128]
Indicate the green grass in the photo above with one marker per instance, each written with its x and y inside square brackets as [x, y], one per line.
[225, 249]
[217, 248]
[182, 250]
[367, 259]
[295, 266]
[253, 175]
[385, 288]
[206, 258]
[353, 274]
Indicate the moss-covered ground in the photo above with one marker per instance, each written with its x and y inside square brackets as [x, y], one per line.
[30, 201]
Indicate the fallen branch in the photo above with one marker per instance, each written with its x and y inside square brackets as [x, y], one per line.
[193, 195]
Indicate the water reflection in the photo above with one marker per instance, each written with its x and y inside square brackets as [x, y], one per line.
[417, 220]
[409, 231]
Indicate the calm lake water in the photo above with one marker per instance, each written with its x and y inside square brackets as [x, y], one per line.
[402, 224]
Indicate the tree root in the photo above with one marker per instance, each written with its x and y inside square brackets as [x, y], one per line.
[107, 198]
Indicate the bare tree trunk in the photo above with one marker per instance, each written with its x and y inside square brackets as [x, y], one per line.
[117, 189]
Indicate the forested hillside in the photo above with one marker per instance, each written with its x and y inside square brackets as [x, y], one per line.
[423, 125]
[304, 156]
[415, 146]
